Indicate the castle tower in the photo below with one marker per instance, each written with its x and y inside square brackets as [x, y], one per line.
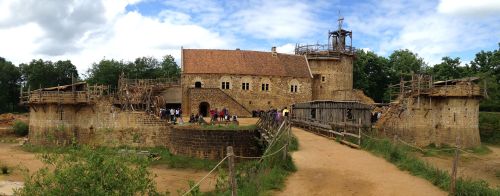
[331, 64]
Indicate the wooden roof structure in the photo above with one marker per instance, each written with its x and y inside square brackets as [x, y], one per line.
[244, 62]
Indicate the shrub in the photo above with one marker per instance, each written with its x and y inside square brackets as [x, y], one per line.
[83, 171]
[20, 128]
[5, 169]
[489, 127]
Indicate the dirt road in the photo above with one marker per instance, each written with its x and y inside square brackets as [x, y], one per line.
[325, 167]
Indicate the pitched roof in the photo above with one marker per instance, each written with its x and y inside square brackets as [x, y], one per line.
[202, 61]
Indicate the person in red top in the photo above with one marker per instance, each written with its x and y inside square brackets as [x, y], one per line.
[221, 115]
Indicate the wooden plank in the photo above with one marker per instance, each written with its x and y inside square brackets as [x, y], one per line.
[349, 144]
[352, 134]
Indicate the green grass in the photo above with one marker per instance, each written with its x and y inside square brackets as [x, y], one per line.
[259, 178]
[167, 158]
[178, 161]
[227, 127]
[403, 158]
[489, 127]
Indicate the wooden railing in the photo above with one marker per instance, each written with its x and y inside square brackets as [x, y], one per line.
[56, 97]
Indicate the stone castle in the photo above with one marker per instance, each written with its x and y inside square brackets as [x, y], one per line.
[245, 81]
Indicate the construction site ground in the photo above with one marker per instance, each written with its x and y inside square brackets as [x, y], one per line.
[477, 167]
[324, 167]
[167, 179]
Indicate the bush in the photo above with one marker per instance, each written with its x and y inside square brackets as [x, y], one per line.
[5, 169]
[20, 128]
[489, 127]
[83, 171]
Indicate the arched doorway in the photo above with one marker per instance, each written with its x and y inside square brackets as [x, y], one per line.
[203, 109]
[197, 84]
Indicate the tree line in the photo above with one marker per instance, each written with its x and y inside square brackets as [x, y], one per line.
[373, 73]
[41, 74]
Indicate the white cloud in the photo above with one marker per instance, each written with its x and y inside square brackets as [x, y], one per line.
[422, 28]
[479, 8]
[120, 35]
[277, 20]
[287, 48]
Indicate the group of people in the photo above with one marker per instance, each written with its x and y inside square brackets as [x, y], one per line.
[222, 115]
[279, 115]
[215, 116]
[171, 115]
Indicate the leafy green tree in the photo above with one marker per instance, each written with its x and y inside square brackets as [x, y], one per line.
[169, 67]
[405, 62]
[66, 72]
[9, 86]
[108, 71]
[83, 171]
[449, 68]
[486, 65]
[371, 74]
[40, 73]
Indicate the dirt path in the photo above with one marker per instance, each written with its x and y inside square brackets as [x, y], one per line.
[325, 167]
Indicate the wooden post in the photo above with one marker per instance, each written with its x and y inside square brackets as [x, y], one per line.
[454, 168]
[359, 133]
[232, 172]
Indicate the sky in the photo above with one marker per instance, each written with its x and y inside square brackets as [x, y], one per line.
[87, 31]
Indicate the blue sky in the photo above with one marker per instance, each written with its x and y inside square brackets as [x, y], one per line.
[86, 31]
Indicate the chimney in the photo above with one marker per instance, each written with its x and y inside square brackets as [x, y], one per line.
[273, 50]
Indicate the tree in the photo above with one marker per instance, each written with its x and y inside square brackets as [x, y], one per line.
[371, 74]
[449, 68]
[108, 71]
[40, 73]
[9, 86]
[66, 72]
[405, 62]
[83, 171]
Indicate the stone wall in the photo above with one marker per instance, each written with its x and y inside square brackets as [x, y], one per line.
[217, 99]
[278, 95]
[211, 144]
[105, 125]
[331, 74]
[434, 120]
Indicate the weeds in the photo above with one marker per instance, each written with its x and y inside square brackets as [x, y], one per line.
[5, 170]
[21, 129]
[402, 157]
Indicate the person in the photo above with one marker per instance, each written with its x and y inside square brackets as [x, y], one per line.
[192, 118]
[172, 114]
[167, 114]
[235, 118]
[285, 112]
[221, 115]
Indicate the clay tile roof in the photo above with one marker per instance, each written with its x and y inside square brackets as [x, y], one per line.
[198, 61]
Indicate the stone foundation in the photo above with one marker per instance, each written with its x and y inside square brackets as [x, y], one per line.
[105, 125]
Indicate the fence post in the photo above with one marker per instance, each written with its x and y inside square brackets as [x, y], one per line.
[287, 139]
[359, 133]
[232, 172]
[454, 168]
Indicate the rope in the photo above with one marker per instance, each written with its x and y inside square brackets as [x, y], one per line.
[197, 184]
[416, 147]
[370, 136]
[264, 156]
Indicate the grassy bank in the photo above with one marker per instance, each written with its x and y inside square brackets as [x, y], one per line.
[403, 158]
[165, 156]
[259, 178]
[489, 127]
